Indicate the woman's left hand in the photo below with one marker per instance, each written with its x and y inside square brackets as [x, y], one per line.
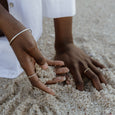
[80, 65]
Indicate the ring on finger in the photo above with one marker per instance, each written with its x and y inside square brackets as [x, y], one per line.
[32, 75]
[86, 70]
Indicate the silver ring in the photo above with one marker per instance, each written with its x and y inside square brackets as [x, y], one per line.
[86, 70]
[32, 75]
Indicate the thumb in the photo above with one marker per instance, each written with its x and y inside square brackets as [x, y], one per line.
[41, 61]
[39, 58]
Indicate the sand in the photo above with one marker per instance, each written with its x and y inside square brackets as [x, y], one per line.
[94, 32]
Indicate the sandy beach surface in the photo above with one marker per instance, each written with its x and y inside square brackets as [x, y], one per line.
[94, 32]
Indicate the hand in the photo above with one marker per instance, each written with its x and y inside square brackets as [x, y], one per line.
[27, 52]
[77, 61]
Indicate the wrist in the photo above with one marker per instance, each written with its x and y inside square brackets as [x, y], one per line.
[63, 46]
[9, 25]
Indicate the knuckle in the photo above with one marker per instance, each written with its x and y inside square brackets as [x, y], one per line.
[41, 60]
[31, 46]
[87, 60]
[81, 64]
[74, 65]
[24, 63]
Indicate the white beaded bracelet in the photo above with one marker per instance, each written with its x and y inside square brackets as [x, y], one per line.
[18, 35]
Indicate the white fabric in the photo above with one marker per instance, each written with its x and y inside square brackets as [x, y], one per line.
[30, 13]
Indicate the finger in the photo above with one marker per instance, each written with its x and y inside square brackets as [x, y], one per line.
[56, 80]
[67, 79]
[61, 70]
[95, 80]
[77, 77]
[37, 83]
[35, 53]
[29, 68]
[44, 66]
[27, 63]
[97, 64]
[55, 63]
[98, 73]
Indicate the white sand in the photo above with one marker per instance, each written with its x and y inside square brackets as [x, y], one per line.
[94, 32]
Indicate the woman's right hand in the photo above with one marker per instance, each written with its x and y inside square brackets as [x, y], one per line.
[27, 52]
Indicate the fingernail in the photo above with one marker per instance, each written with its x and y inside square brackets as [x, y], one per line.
[45, 66]
[68, 70]
[52, 92]
[62, 63]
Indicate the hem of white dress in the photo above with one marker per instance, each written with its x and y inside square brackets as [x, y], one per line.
[10, 75]
[71, 15]
[58, 8]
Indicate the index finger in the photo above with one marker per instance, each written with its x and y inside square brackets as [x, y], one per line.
[29, 68]
[55, 63]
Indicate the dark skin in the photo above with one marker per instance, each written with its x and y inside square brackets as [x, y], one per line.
[74, 58]
[28, 54]
[5, 5]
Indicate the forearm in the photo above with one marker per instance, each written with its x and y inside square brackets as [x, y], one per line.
[8, 24]
[63, 31]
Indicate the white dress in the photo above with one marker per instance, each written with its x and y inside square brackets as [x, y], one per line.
[30, 13]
